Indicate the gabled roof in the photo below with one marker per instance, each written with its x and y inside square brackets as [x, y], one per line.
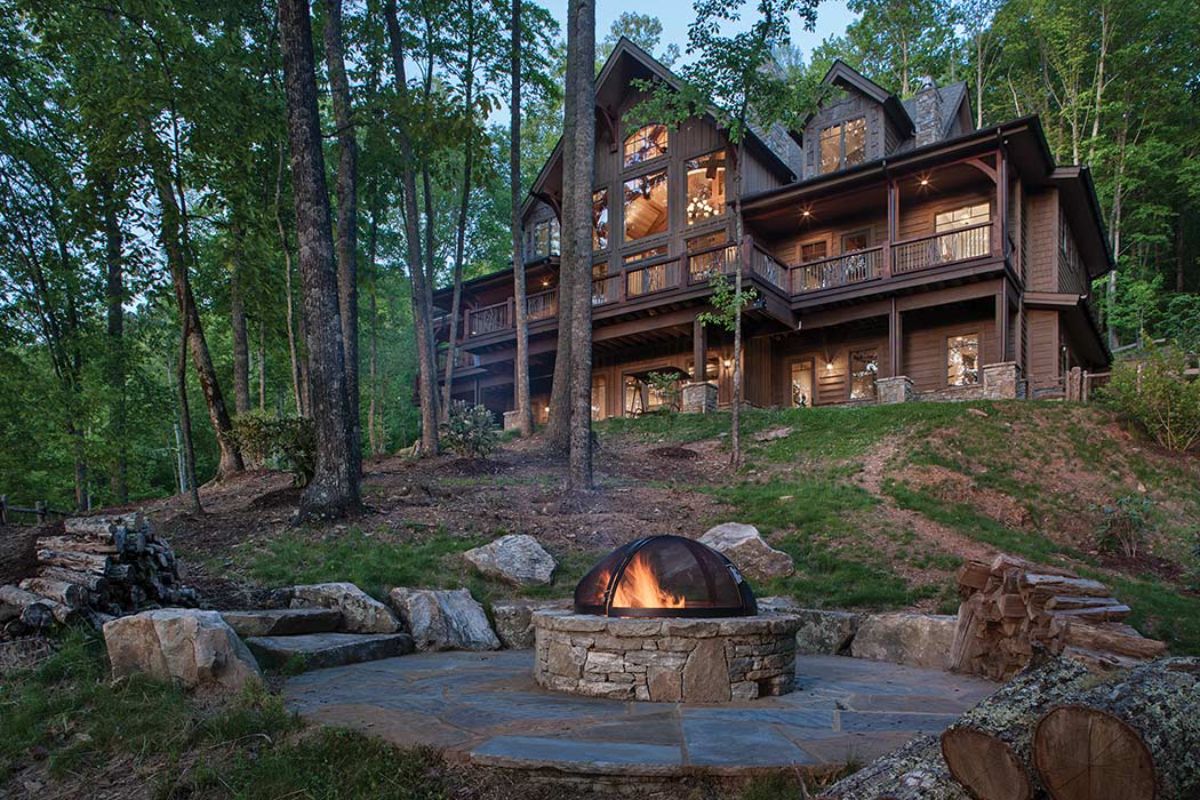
[771, 147]
[847, 77]
[953, 96]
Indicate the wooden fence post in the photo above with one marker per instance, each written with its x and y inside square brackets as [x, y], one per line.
[3, 509]
[40, 509]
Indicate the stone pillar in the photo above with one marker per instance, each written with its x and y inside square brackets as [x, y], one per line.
[699, 398]
[1000, 381]
[928, 123]
[898, 389]
[512, 420]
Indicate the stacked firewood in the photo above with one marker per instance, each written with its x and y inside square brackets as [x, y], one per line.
[1012, 607]
[99, 567]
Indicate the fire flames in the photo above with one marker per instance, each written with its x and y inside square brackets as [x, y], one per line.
[639, 588]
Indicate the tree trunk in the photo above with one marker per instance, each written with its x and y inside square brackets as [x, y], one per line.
[114, 297]
[1137, 737]
[464, 203]
[170, 236]
[915, 771]
[298, 393]
[735, 423]
[373, 411]
[262, 367]
[521, 371]
[989, 748]
[334, 489]
[421, 293]
[578, 156]
[347, 220]
[188, 462]
[237, 318]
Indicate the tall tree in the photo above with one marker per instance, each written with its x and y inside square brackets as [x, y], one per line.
[347, 218]
[579, 149]
[524, 404]
[334, 489]
[730, 79]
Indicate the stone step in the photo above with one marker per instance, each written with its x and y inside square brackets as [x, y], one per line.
[321, 650]
[283, 621]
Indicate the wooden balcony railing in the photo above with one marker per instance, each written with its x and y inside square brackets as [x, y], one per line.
[764, 265]
[719, 260]
[462, 359]
[652, 278]
[606, 290]
[942, 248]
[542, 305]
[843, 270]
[489, 319]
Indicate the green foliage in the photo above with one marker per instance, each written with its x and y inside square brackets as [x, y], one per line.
[724, 302]
[291, 441]
[666, 385]
[1181, 322]
[470, 431]
[1125, 525]
[1157, 394]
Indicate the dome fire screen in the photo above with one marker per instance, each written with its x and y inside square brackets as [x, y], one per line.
[665, 576]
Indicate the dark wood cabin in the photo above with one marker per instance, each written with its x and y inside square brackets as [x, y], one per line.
[897, 254]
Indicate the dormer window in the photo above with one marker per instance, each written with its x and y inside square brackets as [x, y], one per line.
[843, 145]
[645, 144]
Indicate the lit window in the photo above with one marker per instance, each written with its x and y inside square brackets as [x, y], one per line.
[646, 206]
[963, 217]
[864, 366]
[545, 239]
[962, 360]
[843, 145]
[705, 187]
[859, 240]
[599, 397]
[964, 244]
[707, 257]
[646, 143]
[600, 219]
[802, 384]
[642, 255]
[813, 251]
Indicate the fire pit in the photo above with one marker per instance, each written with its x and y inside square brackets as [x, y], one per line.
[665, 619]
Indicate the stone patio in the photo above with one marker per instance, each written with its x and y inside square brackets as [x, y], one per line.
[486, 709]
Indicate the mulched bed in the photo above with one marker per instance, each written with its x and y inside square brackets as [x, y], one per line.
[675, 453]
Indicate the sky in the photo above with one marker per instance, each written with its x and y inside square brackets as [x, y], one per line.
[676, 15]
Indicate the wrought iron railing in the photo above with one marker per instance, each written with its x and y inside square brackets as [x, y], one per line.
[942, 248]
[843, 270]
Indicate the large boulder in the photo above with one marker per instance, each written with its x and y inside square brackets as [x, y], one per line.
[361, 613]
[195, 649]
[516, 558]
[514, 620]
[750, 553]
[920, 640]
[444, 619]
[821, 631]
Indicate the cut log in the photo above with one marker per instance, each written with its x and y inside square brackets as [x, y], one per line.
[74, 544]
[974, 575]
[1095, 637]
[103, 524]
[82, 562]
[33, 610]
[1067, 602]
[916, 771]
[1113, 613]
[71, 595]
[89, 581]
[1134, 738]
[988, 749]
[1062, 585]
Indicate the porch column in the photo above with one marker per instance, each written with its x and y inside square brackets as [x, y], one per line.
[895, 341]
[893, 211]
[699, 351]
[1000, 236]
[1002, 351]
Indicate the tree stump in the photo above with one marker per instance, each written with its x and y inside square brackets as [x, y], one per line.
[988, 749]
[1136, 738]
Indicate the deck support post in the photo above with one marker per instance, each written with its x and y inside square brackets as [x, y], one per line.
[893, 212]
[1002, 348]
[895, 341]
[699, 351]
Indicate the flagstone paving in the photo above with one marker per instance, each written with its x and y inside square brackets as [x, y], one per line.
[485, 708]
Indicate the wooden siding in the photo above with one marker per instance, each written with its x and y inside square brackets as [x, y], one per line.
[917, 217]
[925, 356]
[1043, 242]
[1043, 357]
[845, 105]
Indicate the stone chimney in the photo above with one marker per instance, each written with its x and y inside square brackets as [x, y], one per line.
[928, 122]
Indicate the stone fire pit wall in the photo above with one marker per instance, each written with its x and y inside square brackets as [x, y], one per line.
[666, 659]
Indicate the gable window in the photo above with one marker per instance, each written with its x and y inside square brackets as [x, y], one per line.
[813, 251]
[962, 360]
[646, 206]
[600, 219]
[646, 143]
[864, 366]
[843, 145]
[705, 187]
[545, 239]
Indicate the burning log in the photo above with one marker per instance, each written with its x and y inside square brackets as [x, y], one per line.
[1011, 606]
[1137, 737]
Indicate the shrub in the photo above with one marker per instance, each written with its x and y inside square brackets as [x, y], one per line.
[666, 386]
[1158, 395]
[470, 431]
[1125, 525]
[290, 442]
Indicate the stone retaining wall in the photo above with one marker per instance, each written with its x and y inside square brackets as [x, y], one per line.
[666, 660]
